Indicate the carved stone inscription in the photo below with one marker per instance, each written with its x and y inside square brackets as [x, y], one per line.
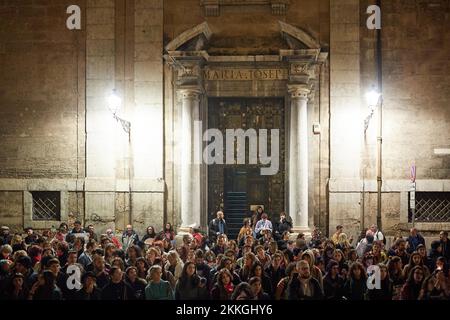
[228, 74]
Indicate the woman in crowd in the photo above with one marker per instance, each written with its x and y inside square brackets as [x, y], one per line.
[45, 287]
[190, 286]
[133, 253]
[119, 263]
[243, 292]
[340, 259]
[169, 234]
[110, 251]
[157, 288]
[258, 272]
[333, 284]
[223, 289]
[386, 290]
[378, 255]
[257, 289]
[150, 236]
[415, 260]
[435, 287]
[395, 271]
[355, 287]
[151, 255]
[411, 289]
[174, 264]
[137, 284]
[142, 267]
[249, 261]
[246, 229]
[343, 242]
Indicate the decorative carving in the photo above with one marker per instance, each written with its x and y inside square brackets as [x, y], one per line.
[297, 68]
[299, 91]
[191, 93]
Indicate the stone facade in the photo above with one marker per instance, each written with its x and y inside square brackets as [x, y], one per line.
[57, 133]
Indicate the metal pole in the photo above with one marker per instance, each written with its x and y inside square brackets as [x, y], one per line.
[380, 123]
[130, 160]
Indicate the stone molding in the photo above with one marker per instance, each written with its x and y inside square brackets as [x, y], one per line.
[83, 185]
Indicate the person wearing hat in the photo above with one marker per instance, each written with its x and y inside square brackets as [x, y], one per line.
[23, 265]
[90, 291]
[5, 236]
[16, 288]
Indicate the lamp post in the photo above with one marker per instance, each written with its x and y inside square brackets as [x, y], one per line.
[375, 102]
[114, 105]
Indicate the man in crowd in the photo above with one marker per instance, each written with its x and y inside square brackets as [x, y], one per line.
[263, 225]
[304, 287]
[217, 226]
[414, 240]
[129, 238]
[5, 236]
[445, 244]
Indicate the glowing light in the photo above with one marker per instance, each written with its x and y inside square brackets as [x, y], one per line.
[373, 97]
[114, 102]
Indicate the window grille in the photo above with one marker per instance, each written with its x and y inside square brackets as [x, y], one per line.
[431, 207]
[46, 205]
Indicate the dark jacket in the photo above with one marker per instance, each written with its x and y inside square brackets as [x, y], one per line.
[385, 293]
[275, 276]
[95, 295]
[190, 290]
[118, 291]
[214, 228]
[286, 225]
[355, 289]
[138, 287]
[333, 288]
[219, 293]
[413, 242]
[295, 290]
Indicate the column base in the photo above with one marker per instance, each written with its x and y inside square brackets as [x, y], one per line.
[297, 230]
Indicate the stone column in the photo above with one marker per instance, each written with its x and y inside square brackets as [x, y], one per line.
[298, 157]
[190, 168]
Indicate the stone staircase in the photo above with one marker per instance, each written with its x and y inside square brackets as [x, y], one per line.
[236, 210]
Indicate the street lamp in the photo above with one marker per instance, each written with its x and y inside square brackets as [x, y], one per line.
[373, 97]
[375, 101]
[114, 104]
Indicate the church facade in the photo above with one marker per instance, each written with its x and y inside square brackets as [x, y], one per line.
[300, 68]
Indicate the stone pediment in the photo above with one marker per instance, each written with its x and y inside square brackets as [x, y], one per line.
[297, 38]
[197, 39]
[194, 39]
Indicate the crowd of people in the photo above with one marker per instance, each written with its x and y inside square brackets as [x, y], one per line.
[264, 262]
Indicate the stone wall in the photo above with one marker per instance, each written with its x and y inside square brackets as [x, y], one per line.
[39, 63]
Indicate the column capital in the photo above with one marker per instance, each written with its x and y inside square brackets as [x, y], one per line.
[190, 92]
[299, 91]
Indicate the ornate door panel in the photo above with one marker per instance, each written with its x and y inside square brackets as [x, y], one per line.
[247, 113]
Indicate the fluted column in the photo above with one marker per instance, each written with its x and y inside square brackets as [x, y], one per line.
[298, 157]
[190, 168]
